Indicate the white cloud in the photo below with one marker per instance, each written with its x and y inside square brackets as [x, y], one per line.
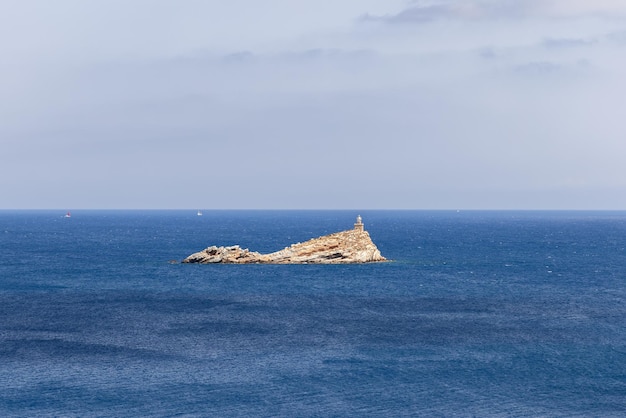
[282, 105]
[424, 11]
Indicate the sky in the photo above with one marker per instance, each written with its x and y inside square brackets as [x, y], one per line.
[313, 104]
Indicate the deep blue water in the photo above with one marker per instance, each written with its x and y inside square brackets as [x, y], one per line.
[479, 314]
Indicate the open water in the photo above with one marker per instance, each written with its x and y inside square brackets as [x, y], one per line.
[480, 314]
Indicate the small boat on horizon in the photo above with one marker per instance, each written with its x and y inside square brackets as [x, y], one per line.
[68, 215]
[199, 213]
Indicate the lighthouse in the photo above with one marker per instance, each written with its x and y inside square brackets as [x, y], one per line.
[358, 226]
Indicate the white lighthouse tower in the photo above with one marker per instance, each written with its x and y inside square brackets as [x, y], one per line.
[358, 226]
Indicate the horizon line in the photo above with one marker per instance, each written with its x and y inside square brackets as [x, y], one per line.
[328, 209]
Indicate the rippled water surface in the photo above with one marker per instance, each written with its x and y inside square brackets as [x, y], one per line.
[479, 314]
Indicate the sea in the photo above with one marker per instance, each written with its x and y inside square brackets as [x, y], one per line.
[477, 314]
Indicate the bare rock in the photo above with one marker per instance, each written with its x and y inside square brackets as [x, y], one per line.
[346, 247]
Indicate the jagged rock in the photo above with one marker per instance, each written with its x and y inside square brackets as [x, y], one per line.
[346, 247]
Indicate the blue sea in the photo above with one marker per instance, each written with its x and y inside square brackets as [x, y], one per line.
[503, 314]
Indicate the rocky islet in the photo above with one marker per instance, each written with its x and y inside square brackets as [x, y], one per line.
[345, 247]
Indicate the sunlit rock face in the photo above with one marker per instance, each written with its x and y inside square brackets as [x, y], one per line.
[346, 247]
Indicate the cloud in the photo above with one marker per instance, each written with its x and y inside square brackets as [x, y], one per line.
[618, 37]
[560, 43]
[475, 10]
[424, 12]
[538, 68]
[487, 97]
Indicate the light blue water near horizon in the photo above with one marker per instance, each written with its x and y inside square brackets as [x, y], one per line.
[496, 313]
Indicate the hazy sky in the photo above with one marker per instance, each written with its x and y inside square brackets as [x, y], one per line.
[448, 104]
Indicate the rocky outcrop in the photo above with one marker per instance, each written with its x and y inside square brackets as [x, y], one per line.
[346, 247]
